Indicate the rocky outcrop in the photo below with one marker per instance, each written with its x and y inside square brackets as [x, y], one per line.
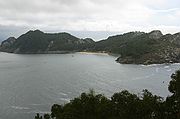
[165, 49]
[156, 34]
[7, 45]
[176, 39]
[153, 58]
[88, 40]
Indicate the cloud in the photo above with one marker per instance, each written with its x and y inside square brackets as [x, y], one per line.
[91, 15]
[11, 31]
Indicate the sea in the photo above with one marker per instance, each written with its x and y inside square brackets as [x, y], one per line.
[32, 83]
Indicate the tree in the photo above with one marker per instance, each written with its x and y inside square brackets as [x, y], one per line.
[38, 116]
[46, 116]
[173, 102]
[125, 105]
[56, 111]
[151, 106]
[174, 85]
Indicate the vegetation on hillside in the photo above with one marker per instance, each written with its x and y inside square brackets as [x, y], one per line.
[132, 47]
[142, 48]
[40, 42]
[122, 105]
[132, 43]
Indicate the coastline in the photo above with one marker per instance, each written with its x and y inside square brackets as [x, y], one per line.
[93, 53]
[99, 53]
[103, 53]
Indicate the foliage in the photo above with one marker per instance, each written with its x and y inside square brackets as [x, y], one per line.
[37, 41]
[132, 44]
[173, 102]
[174, 86]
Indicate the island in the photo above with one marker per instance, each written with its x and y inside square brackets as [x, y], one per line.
[132, 47]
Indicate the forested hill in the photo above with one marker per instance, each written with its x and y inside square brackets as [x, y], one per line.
[143, 48]
[132, 47]
[40, 42]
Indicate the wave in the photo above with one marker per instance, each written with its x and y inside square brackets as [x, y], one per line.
[37, 104]
[20, 108]
[164, 64]
[64, 94]
[65, 99]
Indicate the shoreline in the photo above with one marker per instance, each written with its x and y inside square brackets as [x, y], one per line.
[93, 53]
[99, 53]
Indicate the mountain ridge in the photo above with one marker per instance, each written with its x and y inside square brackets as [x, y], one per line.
[39, 42]
[133, 47]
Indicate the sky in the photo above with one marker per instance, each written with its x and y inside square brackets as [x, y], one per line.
[88, 18]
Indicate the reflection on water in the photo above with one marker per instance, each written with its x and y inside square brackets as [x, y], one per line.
[32, 83]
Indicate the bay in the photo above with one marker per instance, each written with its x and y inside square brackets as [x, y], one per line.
[33, 83]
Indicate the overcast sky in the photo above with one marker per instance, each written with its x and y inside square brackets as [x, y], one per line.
[91, 18]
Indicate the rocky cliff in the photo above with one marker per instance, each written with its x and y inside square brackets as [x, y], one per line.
[7, 45]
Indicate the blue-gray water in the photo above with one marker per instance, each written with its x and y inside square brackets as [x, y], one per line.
[32, 83]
